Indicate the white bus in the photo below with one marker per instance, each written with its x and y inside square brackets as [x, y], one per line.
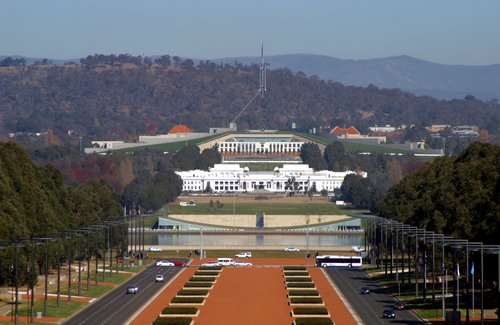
[339, 261]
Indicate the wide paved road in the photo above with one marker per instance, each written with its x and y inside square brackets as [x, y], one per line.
[117, 306]
[369, 307]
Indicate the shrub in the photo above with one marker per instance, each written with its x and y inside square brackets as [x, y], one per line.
[296, 273]
[202, 279]
[310, 311]
[206, 273]
[298, 279]
[313, 321]
[198, 284]
[180, 310]
[300, 285]
[173, 321]
[210, 268]
[295, 268]
[184, 292]
[187, 300]
[306, 300]
[303, 293]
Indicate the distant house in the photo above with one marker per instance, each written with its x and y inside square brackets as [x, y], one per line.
[435, 128]
[346, 132]
[382, 129]
[180, 128]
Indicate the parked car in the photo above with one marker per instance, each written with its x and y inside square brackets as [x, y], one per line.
[156, 249]
[399, 306]
[236, 263]
[211, 264]
[389, 313]
[159, 278]
[292, 249]
[365, 291]
[164, 263]
[132, 289]
[224, 261]
[179, 263]
[243, 255]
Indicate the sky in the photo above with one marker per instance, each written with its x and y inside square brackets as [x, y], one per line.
[445, 31]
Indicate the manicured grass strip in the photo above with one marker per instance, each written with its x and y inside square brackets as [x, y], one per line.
[298, 279]
[297, 273]
[300, 285]
[310, 311]
[173, 321]
[202, 279]
[187, 300]
[179, 311]
[184, 292]
[206, 273]
[303, 293]
[313, 321]
[306, 300]
[295, 268]
[65, 309]
[198, 284]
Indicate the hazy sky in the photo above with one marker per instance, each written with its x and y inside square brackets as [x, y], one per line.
[443, 31]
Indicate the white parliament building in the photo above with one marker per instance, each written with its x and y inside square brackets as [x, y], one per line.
[223, 178]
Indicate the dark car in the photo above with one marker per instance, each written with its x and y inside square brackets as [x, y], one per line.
[399, 306]
[365, 291]
[132, 289]
[389, 313]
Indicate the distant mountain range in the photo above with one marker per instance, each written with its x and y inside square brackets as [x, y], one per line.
[404, 72]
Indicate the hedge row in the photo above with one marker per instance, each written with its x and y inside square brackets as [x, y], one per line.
[310, 311]
[180, 310]
[210, 268]
[187, 300]
[306, 300]
[202, 279]
[313, 321]
[173, 321]
[206, 273]
[198, 284]
[296, 273]
[300, 285]
[192, 292]
[303, 293]
[295, 268]
[298, 279]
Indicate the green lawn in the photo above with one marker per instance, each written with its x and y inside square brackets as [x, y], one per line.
[301, 209]
[65, 309]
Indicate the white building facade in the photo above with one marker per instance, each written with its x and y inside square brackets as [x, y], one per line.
[223, 178]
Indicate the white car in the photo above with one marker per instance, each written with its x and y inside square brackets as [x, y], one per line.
[164, 263]
[292, 249]
[159, 278]
[244, 255]
[156, 249]
[211, 264]
[242, 264]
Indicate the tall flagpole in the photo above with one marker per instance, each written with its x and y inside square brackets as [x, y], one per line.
[472, 272]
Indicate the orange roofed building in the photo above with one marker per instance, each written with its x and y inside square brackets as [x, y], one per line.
[180, 128]
[352, 131]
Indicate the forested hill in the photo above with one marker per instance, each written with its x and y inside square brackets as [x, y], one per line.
[102, 99]
[34, 202]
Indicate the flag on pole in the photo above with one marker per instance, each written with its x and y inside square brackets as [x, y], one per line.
[457, 271]
[472, 269]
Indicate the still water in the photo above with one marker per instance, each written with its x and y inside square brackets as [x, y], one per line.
[165, 239]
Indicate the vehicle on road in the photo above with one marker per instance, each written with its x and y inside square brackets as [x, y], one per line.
[133, 289]
[156, 249]
[338, 261]
[244, 255]
[292, 249]
[225, 261]
[164, 263]
[179, 263]
[236, 263]
[365, 291]
[399, 306]
[159, 278]
[211, 264]
[357, 249]
[389, 313]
